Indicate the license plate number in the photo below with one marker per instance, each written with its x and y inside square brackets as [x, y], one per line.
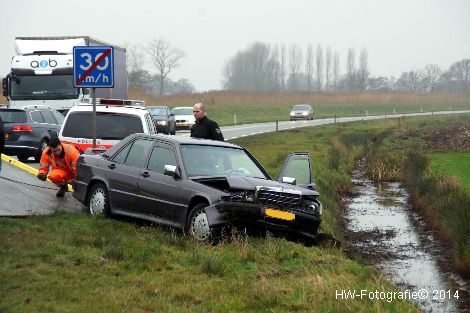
[282, 215]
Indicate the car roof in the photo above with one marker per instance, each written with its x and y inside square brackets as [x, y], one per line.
[183, 108]
[156, 107]
[178, 140]
[28, 108]
[135, 110]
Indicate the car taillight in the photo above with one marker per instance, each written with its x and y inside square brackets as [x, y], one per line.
[22, 128]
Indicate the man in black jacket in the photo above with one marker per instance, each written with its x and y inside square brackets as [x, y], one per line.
[204, 127]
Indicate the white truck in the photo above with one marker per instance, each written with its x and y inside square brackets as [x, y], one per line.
[42, 73]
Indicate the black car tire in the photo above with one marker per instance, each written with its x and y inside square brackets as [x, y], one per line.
[42, 147]
[173, 132]
[98, 200]
[197, 225]
[23, 157]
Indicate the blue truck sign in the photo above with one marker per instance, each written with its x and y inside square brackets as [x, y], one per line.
[93, 66]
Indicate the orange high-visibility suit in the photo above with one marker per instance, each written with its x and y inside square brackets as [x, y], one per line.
[63, 169]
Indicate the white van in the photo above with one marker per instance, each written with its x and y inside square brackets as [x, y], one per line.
[114, 121]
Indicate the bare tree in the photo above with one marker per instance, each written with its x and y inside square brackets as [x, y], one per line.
[295, 63]
[336, 70]
[328, 68]
[135, 66]
[319, 67]
[309, 66]
[363, 72]
[431, 77]
[351, 69]
[283, 65]
[165, 57]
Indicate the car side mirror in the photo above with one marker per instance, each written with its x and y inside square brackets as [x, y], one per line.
[171, 170]
[289, 180]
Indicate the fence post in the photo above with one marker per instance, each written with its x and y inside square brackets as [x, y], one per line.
[277, 126]
[235, 119]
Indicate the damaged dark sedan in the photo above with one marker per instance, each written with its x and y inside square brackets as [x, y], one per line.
[197, 185]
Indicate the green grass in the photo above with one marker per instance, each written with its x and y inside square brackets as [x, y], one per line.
[77, 263]
[453, 164]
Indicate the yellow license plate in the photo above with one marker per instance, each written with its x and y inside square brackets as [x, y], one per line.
[282, 215]
[179, 124]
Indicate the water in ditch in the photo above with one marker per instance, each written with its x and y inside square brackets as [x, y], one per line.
[387, 233]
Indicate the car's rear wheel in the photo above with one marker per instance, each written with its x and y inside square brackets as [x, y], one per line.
[42, 147]
[197, 225]
[98, 200]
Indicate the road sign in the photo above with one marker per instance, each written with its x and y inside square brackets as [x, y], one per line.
[93, 66]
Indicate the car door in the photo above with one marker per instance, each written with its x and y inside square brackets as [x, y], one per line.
[159, 193]
[123, 170]
[297, 170]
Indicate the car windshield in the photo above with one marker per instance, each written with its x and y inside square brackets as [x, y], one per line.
[182, 111]
[13, 116]
[301, 108]
[43, 87]
[157, 111]
[202, 160]
[110, 126]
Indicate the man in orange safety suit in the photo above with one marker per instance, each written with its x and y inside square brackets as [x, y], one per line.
[62, 158]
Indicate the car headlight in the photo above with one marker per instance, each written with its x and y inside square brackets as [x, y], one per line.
[161, 122]
[305, 113]
[292, 113]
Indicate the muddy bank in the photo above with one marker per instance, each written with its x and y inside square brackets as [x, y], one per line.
[383, 230]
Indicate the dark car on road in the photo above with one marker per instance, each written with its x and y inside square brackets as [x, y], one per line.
[164, 119]
[28, 130]
[301, 112]
[197, 185]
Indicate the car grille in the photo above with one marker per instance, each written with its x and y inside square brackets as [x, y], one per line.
[278, 197]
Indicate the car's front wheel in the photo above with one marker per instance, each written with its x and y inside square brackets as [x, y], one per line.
[197, 225]
[98, 200]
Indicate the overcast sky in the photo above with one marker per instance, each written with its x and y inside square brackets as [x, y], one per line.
[399, 35]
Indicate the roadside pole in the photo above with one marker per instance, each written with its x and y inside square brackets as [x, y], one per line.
[93, 121]
[93, 67]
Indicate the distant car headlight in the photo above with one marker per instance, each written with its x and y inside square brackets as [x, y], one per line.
[162, 122]
[304, 113]
[292, 113]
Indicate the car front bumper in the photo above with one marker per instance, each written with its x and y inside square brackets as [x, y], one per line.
[287, 220]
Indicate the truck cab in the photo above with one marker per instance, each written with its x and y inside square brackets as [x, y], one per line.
[42, 73]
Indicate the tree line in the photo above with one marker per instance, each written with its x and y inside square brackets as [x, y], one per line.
[264, 67]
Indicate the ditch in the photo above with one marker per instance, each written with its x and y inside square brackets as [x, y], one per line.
[383, 230]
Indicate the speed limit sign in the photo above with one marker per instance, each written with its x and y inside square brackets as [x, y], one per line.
[93, 66]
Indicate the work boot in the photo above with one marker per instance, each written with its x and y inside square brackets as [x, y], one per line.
[61, 191]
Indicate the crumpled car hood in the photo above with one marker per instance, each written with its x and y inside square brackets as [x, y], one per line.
[249, 183]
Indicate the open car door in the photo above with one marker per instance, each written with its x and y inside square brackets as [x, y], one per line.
[297, 171]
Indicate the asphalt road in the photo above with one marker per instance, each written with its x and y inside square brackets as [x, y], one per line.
[23, 194]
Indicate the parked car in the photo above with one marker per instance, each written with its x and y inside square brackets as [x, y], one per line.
[301, 112]
[28, 130]
[198, 185]
[164, 119]
[184, 117]
[114, 121]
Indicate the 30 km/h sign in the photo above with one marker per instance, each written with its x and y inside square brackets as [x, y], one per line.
[93, 66]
